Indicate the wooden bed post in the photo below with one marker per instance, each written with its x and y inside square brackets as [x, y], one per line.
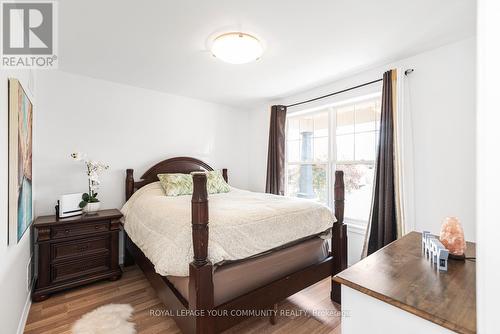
[128, 259]
[129, 184]
[339, 235]
[201, 289]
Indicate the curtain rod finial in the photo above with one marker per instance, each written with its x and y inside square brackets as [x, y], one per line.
[409, 71]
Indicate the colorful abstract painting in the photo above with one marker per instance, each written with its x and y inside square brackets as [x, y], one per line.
[20, 160]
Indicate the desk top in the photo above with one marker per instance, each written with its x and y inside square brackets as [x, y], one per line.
[400, 275]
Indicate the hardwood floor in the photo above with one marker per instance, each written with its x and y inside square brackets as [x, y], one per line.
[58, 313]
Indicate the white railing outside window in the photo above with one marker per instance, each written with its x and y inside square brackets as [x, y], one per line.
[341, 137]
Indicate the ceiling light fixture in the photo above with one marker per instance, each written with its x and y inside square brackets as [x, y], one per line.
[237, 48]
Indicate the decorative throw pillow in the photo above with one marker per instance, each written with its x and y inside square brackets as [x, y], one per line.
[216, 183]
[176, 184]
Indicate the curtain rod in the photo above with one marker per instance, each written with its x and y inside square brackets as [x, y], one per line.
[335, 93]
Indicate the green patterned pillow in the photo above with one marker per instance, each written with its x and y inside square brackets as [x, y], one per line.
[176, 184]
[216, 183]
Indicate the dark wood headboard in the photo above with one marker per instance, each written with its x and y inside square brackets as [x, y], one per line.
[184, 165]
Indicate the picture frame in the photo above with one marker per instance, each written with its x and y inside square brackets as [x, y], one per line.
[20, 207]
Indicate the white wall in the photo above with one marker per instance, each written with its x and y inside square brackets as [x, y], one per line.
[14, 258]
[259, 139]
[127, 127]
[488, 187]
[442, 103]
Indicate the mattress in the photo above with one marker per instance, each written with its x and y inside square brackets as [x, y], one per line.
[241, 224]
[235, 279]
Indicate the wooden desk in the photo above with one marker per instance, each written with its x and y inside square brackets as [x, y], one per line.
[400, 275]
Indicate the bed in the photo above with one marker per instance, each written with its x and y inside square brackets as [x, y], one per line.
[204, 281]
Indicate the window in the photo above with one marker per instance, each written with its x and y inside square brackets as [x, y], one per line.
[307, 156]
[342, 137]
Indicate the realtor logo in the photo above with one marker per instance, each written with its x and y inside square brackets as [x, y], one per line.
[28, 34]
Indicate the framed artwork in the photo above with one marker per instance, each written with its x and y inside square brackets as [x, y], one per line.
[20, 160]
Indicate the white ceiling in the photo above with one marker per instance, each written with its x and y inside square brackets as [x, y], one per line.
[162, 45]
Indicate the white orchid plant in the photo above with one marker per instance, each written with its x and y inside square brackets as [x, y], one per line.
[93, 170]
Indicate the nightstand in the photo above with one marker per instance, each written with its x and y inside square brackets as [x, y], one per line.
[74, 251]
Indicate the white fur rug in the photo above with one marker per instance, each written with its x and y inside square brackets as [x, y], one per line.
[107, 319]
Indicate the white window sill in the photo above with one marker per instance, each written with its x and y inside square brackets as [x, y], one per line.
[356, 226]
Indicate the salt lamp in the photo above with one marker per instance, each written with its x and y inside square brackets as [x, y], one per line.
[452, 237]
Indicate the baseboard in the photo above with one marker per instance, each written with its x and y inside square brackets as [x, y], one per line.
[24, 316]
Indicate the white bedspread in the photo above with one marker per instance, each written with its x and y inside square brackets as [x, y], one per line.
[241, 224]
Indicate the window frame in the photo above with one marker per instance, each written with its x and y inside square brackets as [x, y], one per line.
[331, 162]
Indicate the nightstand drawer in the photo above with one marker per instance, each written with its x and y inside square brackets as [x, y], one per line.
[79, 268]
[79, 229]
[79, 248]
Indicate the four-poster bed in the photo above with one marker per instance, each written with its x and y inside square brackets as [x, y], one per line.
[197, 306]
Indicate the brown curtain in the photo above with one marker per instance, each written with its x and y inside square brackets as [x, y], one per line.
[382, 228]
[275, 181]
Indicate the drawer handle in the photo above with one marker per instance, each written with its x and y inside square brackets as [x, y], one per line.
[98, 227]
[66, 231]
[82, 248]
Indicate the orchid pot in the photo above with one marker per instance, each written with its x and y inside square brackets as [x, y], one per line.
[92, 207]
